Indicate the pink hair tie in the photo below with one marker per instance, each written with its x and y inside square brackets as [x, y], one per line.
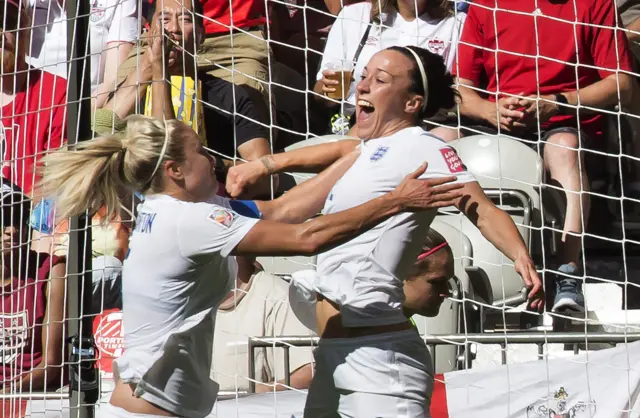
[433, 250]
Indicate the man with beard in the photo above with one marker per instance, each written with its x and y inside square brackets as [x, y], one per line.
[32, 102]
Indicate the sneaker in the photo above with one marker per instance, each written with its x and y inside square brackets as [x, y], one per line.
[569, 297]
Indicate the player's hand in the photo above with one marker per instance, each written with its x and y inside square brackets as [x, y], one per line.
[241, 177]
[527, 269]
[417, 195]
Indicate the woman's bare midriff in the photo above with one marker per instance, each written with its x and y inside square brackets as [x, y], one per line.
[329, 323]
[123, 397]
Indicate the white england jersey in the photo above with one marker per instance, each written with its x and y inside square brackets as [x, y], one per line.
[176, 274]
[364, 276]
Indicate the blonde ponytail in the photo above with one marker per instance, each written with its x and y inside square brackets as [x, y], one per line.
[94, 174]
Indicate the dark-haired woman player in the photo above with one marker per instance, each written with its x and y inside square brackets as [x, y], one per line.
[370, 362]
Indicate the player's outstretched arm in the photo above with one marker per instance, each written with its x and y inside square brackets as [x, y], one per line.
[325, 232]
[311, 159]
[499, 229]
[306, 199]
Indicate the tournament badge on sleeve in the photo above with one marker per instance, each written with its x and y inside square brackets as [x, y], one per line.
[222, 217]
[339, 124]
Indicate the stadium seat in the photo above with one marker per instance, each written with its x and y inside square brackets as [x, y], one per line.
[511, 173]
[501, 166]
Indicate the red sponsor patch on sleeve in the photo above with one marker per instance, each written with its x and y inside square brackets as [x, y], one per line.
[451, 160]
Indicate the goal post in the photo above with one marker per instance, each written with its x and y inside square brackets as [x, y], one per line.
[83, 376]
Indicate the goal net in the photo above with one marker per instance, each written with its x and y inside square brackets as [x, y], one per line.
[547, 122]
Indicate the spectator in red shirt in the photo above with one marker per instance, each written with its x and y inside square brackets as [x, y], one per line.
[31, 304]
[546, 51]
[32, 102]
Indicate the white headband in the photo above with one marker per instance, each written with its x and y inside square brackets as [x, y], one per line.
[162, 152]
[423, 75]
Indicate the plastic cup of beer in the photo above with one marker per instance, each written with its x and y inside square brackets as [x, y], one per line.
[342, 73]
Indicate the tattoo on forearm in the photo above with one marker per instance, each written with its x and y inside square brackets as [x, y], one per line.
[268, 162]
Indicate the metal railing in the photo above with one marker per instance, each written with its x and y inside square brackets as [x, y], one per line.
[575, 339]
[36, 396]
[286, 342]
[82, 398]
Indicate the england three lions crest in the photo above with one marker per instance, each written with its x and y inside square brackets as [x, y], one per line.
[560, 405]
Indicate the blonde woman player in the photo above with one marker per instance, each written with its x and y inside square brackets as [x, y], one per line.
[370, 362]
[180, 265]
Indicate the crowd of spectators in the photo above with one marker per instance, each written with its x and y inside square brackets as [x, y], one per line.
[253, 77]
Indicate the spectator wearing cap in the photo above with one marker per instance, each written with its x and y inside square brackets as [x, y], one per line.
[547, 93]
[226, 116]
[32, 102]
[32, 311]
[258, 306]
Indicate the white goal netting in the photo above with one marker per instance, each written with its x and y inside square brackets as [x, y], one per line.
[548, 122]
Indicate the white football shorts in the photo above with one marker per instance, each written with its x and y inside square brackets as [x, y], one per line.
[379, 376]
